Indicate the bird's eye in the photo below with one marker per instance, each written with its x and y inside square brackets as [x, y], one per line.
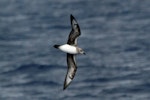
[81, 50]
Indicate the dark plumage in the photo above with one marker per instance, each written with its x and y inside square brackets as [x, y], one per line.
[71, 49]
[75, 32]
[56, 46]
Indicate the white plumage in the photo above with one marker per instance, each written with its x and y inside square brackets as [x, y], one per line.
[71, 49]
[68, 49]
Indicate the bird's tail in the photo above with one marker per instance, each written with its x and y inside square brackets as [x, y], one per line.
[56, 46]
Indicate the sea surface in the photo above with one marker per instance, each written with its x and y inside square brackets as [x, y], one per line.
[115, 37]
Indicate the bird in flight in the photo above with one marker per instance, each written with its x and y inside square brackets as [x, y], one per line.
[71, 49]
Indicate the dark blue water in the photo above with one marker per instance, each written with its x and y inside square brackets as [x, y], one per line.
[115, 36]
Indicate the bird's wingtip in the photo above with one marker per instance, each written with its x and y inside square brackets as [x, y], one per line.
[65, 86]
[71, 17]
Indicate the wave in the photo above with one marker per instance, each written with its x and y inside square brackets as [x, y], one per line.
[31, 67]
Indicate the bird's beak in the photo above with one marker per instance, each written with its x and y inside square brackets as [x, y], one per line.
[84, 53]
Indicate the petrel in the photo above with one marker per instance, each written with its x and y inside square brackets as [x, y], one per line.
[71, 49]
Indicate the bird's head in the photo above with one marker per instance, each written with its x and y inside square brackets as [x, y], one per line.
[81, 51]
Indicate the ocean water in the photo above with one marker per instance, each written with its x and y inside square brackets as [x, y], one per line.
[115, 36]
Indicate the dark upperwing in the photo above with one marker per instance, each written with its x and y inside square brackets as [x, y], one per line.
[75, 32]
[72, 68]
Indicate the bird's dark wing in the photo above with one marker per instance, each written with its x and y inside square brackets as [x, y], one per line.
[71, 70]
[75, 32]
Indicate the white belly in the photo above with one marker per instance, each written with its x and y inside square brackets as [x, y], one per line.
[68, 49]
